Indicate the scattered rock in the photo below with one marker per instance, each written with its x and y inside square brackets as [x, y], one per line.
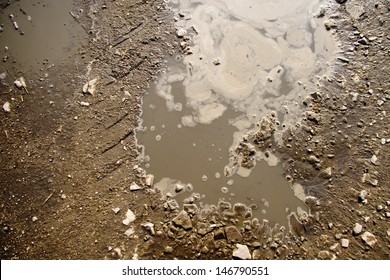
[130, 217]
[84, 104]
[116, 210]
[90, 87]
[326, 173]
[219, 234]
[363, 195]
[149, 180]
[179, 188]
[369, 239]
[183, 220]
[135, 187]
[34, 219]
[368, 178]
[118, 252]
[242, 252]
[7, 107]
[191, 209]
[330, 25]
[344, 243]
[374, 160]
[181, 32]
[357, 229]
[149, 227]
[326, 255]
[168, 250]
[20, 83]
[233, 234]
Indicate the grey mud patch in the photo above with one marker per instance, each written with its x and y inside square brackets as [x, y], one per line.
[211, 121]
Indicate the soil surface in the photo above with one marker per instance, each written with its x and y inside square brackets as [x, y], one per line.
[68, 166]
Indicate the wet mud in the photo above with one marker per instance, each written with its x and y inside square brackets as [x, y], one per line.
[291, 163]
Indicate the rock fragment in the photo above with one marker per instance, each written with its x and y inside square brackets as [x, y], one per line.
[181, 32]
[183, 220]
[20, 83]
[369, 239]
[149, 227]
[90, 87]
[368, 178]
[344, 243]
[7, 107]
[357, 229]
[149, 180]
[135, 187]
[233, 234]
[242, 252]
[130, 217]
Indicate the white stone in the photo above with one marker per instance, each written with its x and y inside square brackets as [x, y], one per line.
[357, 229]
[369, 238]
[90, 87]
[20, 83]
[116, 210]
[130, 217]
[84, 104]
[149, 227]
[344, 243]
[34, 219]
[135, 187]
[7, 107]
[242, 252]
[181, 32]
[374, 159]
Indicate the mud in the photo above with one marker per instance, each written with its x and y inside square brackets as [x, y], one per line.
[70, 168]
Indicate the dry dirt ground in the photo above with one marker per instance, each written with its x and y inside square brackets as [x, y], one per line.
[65, 165]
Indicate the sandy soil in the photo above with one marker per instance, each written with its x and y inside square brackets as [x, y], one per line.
[65, 165]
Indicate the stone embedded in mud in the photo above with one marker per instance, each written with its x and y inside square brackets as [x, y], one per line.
[116, 210]
[327, 173]
[357, 229]
[149, 180]
[135, 187]
[20, 83]
[369, 239]
[266, 130]
[374, 160]
[149, 227]
[326, 255]
[344, 243]
[242, 252]
[363, 195]
[7, 107]
[219, 234]
[369, 179]
[90, 87]
[233, 234]
[130, 217]
[313, 117]
[191, 209]
[183, 220]
[181, 32]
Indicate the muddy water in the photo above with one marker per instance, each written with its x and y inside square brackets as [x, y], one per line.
[46, 32]
[249, 60]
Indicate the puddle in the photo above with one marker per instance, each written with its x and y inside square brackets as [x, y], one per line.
[46, 32]
[251, 63]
